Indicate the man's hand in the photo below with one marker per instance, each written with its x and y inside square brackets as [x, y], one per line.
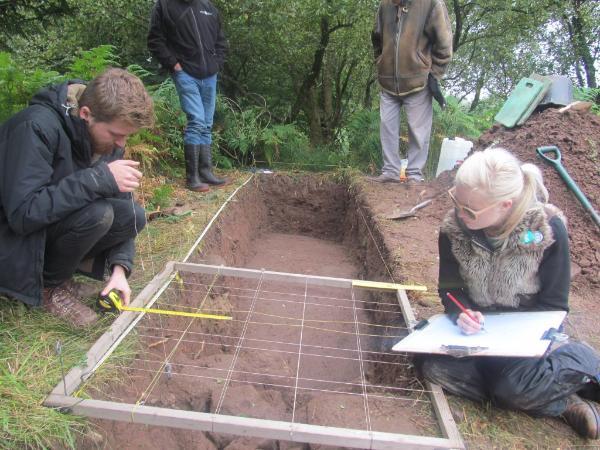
[177, 68]
[126, 175]
[468, 325]
[118, 281]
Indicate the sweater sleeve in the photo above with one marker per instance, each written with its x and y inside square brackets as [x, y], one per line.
[555, 271]
[439, 31]
[450, 280]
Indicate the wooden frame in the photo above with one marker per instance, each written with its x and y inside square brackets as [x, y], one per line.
[61, 396]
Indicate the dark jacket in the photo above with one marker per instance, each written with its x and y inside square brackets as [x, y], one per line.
[46, 173]
[410, 41]
[187, 32]
[532, 272]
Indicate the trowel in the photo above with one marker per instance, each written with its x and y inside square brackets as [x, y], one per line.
[408, 213]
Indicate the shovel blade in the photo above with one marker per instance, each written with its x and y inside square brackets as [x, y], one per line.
[400, 215]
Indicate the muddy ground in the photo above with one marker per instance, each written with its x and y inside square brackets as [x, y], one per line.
[308, 225]
[321, 227]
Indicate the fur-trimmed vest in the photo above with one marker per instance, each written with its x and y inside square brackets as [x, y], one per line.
[506, 277]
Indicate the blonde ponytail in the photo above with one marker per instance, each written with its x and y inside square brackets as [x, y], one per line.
[500, 176]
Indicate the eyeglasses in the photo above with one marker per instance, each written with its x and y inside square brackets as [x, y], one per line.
[471, 213]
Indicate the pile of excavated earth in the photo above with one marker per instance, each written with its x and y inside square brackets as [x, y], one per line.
[577, 135]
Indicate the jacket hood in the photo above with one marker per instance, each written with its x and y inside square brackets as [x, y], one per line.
[63, 100]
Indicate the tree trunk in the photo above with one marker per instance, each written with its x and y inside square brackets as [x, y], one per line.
[478, 87]
[580, 45]
[459, 25]
[327, 99]
[313, 113]
[310, 81]
[311, 77]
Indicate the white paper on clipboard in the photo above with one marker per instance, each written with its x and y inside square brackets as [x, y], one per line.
[517, 334]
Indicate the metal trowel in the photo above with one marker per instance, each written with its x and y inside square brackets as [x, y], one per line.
[409, 213]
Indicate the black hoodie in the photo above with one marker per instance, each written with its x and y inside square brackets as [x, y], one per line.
[187, 32]
[46, 173]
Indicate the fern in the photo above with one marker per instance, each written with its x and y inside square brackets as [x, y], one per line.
[139, 71]
[589, 95]
[363, 140]
[170, 119]
[17, 86]
[91, 63]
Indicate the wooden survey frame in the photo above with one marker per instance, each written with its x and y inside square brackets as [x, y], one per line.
[62, 397]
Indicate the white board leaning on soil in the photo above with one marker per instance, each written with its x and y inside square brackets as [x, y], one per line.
[506, 334]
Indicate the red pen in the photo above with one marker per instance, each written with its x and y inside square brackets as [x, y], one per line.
[462, 308]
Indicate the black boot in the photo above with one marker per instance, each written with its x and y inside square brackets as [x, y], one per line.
[205, 171]
[192, 179]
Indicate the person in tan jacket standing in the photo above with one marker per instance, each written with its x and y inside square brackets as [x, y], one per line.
[412, 41]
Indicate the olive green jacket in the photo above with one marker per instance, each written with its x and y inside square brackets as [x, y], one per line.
[411, 40]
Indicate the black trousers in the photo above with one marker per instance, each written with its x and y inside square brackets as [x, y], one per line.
[90, 232]
[538, 386]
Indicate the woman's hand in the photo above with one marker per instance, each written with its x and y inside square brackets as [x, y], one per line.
[468, 325]
[118, 281]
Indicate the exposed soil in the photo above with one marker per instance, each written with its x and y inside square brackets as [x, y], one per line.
[307, 225]
[319, 227]
[577, 135]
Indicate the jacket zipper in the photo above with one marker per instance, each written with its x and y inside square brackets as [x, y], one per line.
[199, 39]
[480, 245]
[402, 10]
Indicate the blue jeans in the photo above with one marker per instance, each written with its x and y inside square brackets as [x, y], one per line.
[197, 98]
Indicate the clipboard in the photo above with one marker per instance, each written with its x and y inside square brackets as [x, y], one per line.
[516, 334]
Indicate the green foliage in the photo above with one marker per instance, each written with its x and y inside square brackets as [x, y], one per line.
[170, 120]
[363, 142]
[18, 86]
[29, 369]
[91, 63]
[454, 120]
[161, 197]
[248, 137]
[589, 95]
[241, 130]
[283, 142]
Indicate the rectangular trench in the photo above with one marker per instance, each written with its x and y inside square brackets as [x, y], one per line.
[316, 355]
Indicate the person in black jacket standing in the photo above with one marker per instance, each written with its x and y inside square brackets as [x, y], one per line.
[187, 39]
[66, 201]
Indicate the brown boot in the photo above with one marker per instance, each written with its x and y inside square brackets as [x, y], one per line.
[59, 302]
[82, 290]
[583, 416]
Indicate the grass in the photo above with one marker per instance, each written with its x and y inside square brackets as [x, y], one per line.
[29, 369]
[29, 364]
[487, 427]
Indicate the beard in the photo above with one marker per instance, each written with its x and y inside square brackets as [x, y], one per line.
[99, 146]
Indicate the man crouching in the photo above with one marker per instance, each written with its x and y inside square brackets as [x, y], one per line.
[66, 202]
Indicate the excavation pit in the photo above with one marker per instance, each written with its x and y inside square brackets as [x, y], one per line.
[305, 357]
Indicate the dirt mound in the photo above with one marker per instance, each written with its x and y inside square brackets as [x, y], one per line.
[577, 135]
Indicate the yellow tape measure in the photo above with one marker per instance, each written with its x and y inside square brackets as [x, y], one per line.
[112, 303]
[386, 286]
